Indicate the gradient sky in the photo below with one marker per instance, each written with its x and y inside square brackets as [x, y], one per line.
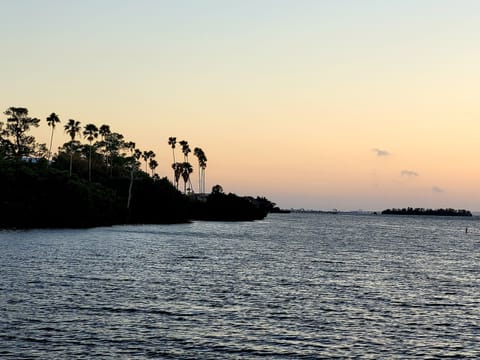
[317, 104]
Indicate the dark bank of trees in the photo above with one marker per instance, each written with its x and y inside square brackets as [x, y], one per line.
[100, 181]
[230, 207]
[431, 212]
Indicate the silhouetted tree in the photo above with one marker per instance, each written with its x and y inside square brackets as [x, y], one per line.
[147, 155]
[114, 145]
[217, 189]
[18, 124]
[104, 131]
[72, 128]
[202, 164]
[186, 171]
[172, 141]
[6, 147]
[153, 165]
[52, 120]
[133, 165]
[185, 149]
[90, 133]
[177, 172]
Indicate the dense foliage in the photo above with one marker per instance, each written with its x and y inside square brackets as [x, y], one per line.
[230, 207]
[101, 182]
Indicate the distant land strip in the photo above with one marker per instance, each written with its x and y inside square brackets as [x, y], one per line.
[431, 212]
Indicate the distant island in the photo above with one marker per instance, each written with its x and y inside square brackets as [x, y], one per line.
[430, 212]
[104, 180]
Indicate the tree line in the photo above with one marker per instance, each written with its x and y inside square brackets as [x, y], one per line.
[96, 178]
[105, 151]
[423, 211]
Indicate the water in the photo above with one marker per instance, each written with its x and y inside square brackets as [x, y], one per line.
[291, 286]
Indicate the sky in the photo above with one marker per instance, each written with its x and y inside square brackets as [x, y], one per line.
[321, 104]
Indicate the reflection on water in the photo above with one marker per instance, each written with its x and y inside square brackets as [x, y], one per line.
[290, 286]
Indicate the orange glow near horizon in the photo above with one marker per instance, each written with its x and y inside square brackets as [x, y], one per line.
[287, 102]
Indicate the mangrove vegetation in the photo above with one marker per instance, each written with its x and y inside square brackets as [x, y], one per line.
[99, 177]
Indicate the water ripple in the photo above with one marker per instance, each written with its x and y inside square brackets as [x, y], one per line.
[290, 287]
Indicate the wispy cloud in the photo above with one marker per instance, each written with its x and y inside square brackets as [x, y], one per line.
[409, 173]
[381, 152]
[437, 190]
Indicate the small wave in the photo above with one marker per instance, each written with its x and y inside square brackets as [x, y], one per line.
[192, 257]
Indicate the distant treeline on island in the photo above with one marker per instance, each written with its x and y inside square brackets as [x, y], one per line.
[431, 212]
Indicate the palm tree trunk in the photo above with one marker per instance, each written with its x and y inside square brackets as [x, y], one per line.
[199, 179]
[175, 182]
[90, 164]
[191, 185]
[50, 148]
[130, 189]
[71, 159]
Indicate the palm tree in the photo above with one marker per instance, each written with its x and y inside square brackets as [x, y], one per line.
[177, 172]
[133, 164]
[72, 128]
[147, 155]
[90, 133]
[153, 165]
[197, 154]
[52, 120]
[187, 169]
[104, 131]
[172, 141]
[202, 164]
[185, 149]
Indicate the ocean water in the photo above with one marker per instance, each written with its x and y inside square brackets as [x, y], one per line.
[292, 286]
